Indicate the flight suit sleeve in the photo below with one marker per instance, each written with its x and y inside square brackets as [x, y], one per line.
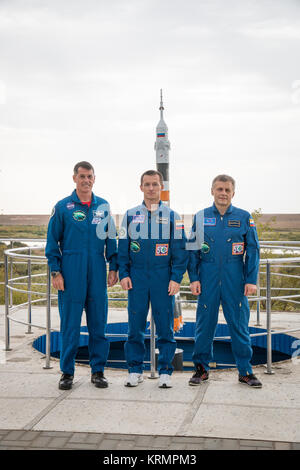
[193, 254]
[54, 236]
[111, 251]
[123, 249]
[179, 255]
[252, 253]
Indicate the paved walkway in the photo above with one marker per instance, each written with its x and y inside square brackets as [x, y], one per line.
[220, 414]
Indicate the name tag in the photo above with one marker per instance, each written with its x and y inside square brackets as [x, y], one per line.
[234, 223]
[162, 220]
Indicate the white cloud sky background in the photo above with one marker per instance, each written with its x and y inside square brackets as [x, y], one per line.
[80, 80]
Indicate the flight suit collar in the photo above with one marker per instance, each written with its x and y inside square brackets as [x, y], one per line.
[229, 210]
[154, 212]
[75, 197]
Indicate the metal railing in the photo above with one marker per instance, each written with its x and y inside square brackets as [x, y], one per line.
[10, 283]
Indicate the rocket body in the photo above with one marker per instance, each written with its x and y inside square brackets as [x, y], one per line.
[162, 147]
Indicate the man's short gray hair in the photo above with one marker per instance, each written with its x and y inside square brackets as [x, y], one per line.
[85, 165]
[224, 179]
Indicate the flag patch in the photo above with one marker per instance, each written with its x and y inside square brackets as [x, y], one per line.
[210, 221]
[138, 219]
[179, 224]
[251, 223]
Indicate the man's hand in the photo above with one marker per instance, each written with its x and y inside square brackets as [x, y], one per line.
[58, 282]
[112, 278]
[174, 288]
[195, 287]
[250, 289]
[126, 283]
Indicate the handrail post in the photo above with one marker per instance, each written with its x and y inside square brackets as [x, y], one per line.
[258, 323]
[7, 336]
[29, 294]
[153, 374]
[268, 310]
[48, 320]
[11, 275]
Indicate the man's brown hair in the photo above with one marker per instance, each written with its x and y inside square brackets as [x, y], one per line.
[152, 173]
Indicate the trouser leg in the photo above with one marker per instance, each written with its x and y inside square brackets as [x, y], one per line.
[237, 315]
[163, 314]
[138, 306]
[206, 323]
[70, 321]
[96, 315]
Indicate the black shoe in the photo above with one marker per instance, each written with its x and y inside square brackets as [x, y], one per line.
[250, 380]
[99, 380]
[199, 376]
[66, 382]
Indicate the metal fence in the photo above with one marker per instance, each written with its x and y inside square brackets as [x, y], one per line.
[26, 256]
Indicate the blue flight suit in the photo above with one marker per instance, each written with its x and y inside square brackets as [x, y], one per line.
[79, 241]
[224, 257]
[151, 252]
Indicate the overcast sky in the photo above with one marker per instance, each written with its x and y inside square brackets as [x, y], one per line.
[80, 80]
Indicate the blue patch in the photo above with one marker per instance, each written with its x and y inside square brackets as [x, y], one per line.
[210, 221]
[138, 219]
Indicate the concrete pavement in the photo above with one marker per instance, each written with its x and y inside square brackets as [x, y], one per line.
[220, 414]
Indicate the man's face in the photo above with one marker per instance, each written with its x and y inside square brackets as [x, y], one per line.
[151, 187]
[223, 193]
[84, 180]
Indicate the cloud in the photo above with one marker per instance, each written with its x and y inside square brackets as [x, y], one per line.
[273, 29]
[82, 80]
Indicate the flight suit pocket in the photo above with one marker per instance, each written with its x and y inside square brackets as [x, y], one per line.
[72, 272]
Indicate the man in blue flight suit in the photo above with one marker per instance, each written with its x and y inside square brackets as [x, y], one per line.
[152, 261]
[81, 238]
[223, 268]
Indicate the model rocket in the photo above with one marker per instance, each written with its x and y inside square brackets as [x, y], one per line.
[162, 147]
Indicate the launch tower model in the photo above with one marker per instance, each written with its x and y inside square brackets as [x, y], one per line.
[162, 146]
